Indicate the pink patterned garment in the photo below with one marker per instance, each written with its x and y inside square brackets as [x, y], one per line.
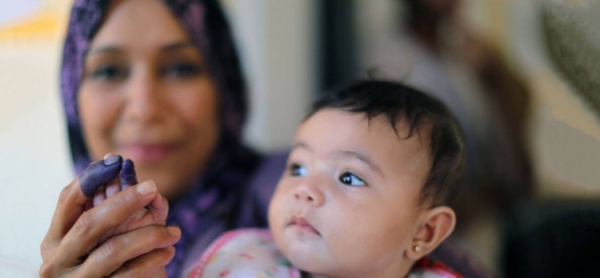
[244, 253]
[252, 253]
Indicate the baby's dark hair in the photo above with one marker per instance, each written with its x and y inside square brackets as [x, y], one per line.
[399, 102]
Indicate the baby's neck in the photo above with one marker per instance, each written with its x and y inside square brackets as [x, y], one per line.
[395, 274]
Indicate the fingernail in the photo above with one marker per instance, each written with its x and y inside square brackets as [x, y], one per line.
[174, 231]
[112, 159]
[146, 187]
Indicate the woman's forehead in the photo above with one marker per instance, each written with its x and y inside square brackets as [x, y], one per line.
[139, 24]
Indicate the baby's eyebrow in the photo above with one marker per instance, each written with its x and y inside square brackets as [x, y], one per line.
[364, 158]
[302, 145]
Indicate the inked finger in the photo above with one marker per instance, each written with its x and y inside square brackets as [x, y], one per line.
[99, 173]
[74, 200]
[128, 175]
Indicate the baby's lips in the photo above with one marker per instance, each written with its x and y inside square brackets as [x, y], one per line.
[99, 173]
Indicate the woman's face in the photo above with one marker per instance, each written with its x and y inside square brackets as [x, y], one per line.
[146, 94]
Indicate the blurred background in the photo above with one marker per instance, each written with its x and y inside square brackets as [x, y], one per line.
[534, 144]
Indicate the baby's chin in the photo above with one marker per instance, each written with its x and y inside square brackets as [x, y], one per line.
[307, 261]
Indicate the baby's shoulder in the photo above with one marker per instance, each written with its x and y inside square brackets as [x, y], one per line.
[244, 253]
[431, 268]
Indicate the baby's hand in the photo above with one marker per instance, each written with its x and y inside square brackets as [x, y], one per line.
[154, 214]
[128, 179]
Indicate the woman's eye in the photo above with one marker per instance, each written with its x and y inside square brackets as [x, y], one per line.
[297, 170]
[351, 179]
[182, 70]
[109, 73]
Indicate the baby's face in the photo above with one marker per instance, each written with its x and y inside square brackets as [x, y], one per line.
[347, 204]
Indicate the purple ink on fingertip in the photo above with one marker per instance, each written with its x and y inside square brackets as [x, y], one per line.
[98, 174]
[112, 159]
[128, 175]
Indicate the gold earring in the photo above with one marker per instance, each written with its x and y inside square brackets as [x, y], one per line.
[417, 248]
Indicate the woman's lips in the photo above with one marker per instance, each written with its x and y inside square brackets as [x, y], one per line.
[303, 224]
[147, 152]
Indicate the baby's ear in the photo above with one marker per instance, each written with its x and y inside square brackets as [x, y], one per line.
[436, 227]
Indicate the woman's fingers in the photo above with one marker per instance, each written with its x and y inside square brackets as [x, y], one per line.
[111, 256]
[148, 265]
[69, 208]
[91, 225]
[162, 272]
[71, 202]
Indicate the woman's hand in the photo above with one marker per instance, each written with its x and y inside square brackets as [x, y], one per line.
[70, 248]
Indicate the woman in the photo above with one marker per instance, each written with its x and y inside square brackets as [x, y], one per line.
[159, 83]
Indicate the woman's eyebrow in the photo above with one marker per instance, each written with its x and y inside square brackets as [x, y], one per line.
[364, 158]
[177, 45]
[105, 49]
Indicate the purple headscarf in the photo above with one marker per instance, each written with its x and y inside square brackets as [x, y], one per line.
[213, 204]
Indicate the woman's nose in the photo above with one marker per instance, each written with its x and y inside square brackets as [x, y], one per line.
[144, 100]
[309, 191]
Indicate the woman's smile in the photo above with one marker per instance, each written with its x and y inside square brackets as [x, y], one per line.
[148, 152]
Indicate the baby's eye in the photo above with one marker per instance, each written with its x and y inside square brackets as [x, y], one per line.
[351, 179]
[109, 73]
[297, 170]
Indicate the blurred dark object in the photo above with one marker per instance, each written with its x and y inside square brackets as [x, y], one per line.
[573, 41]
[561, 238]
[499, 172]
[553, 239]
[338, 49]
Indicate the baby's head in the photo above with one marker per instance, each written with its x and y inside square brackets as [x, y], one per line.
[369, 177]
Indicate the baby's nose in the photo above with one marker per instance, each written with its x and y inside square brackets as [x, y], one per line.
[310, 194]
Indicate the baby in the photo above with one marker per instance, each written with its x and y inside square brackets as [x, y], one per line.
[365, 193]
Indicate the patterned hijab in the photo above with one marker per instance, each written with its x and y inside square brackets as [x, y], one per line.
[215, 197]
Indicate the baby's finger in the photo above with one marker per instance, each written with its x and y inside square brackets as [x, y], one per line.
[159, 208]
[113, 188]
[99, 197]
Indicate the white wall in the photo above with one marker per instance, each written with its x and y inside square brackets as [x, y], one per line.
[276, 40]
[34, 162]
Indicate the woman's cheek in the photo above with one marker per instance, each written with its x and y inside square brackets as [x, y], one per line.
[99, 113]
